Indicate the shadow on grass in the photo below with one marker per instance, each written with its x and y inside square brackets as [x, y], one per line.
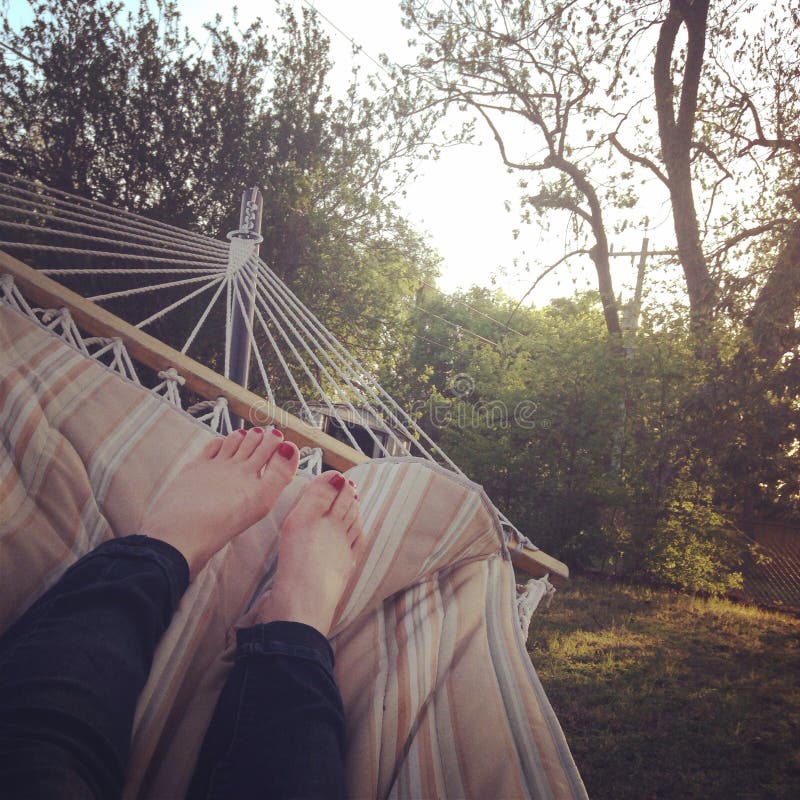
[667, 696]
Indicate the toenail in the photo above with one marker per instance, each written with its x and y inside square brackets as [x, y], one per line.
[355, 497]
[286, 449]
[257, 430]
[275, 432]
[242, 431]
[352, 483]
[337, 481]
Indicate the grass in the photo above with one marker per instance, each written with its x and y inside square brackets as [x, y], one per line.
[662, 695]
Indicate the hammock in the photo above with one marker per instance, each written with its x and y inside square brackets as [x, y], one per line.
[440, 695]
[66, 236]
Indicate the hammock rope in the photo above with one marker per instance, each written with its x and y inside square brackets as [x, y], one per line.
[47, 197]
[79, 220]
[143, 289]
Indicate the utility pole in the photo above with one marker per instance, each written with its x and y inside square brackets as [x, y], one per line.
[630, 324]
[630, 316]
[632, 310]
[244, 244]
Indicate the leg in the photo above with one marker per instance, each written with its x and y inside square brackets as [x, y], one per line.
[278, 728]
[72, 667]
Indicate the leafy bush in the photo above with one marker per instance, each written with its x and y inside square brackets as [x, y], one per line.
[630, 460]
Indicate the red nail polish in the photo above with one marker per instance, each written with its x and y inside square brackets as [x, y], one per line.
[276, 432]
[242, 431]
[286, 449]
[337, 481]
[355, 497]
[256, 430]
[352, 483]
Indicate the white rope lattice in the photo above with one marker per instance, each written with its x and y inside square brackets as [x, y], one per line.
[12, 296]
[217, 416]
[60, 322]
[120, 361]
[530, 595]
[169, 385]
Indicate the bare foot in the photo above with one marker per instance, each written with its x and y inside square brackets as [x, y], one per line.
[231, 485]
[319, 545]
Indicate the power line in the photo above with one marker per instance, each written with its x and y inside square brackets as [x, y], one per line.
[350, 39]
[472, 308]
[458, 327]
[438, 344]
[388, 325]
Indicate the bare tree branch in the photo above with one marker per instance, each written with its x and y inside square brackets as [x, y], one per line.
[501, 144]
[707, 151]
[564, 203]
[19, 54]
[544, 274]
[747, 233]
[642, 160]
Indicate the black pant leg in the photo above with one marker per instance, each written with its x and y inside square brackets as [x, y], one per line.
[278, 727]
[73, 665]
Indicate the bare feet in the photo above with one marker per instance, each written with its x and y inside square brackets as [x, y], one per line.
[319, 545]
[231, 485]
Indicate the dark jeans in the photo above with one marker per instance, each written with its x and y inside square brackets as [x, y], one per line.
[72, 668]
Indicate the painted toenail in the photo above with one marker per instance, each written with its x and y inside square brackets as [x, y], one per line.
[337, 481]
[257, 430]
[275, 432]
[355, 497]
[351, 482]
[242, 431]
[286, 449]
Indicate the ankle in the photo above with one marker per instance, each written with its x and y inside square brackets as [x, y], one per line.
[278, 606]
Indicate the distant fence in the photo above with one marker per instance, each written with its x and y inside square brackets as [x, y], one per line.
[772, 573]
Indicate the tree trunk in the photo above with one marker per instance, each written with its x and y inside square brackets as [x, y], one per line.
[600, 257]
[599, 252]
[773, 314]
[676, 141]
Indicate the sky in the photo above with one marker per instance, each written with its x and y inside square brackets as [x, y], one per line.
[459, 201]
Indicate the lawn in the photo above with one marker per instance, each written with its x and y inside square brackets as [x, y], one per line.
[662, 695]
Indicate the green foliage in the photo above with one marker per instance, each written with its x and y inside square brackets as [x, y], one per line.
[648, 457]
[691, 547]
[634, 460]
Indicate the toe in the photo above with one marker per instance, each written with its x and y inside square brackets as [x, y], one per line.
[212, 447]
[266, 447]
[350, 518]
[317, 498]
[231, 444]
[280, 468]
[345, 498]
[249, 443]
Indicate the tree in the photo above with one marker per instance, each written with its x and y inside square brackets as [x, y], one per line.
[708, 91]
[125, 111]
[131, 110]
[720, 79]
[501, 61]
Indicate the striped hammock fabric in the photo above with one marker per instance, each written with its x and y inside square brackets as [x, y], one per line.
[440, 696]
